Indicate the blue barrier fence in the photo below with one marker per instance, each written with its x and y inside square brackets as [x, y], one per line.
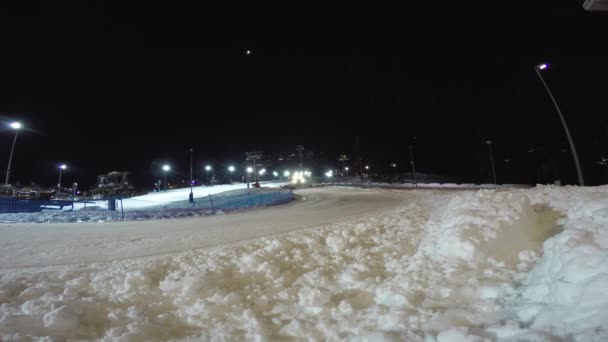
[231, 200]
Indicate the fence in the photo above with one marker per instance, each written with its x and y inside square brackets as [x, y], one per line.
[24, 210]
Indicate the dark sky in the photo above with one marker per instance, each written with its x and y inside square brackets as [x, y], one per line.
[104, 88]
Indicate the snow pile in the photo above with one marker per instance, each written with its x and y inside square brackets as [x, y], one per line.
[565, 293]
[445, 266]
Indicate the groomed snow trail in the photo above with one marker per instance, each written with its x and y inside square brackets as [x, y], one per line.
[416, 266]
[56, 244]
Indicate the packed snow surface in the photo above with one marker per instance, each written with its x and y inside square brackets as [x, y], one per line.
[338, 263]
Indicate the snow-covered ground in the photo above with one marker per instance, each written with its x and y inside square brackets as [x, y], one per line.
[131, 209]
[349, 264]
[154, 199]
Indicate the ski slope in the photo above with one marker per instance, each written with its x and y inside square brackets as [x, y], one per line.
[336, 264]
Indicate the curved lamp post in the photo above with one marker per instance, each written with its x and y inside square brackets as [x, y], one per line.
[16, 126]
[579, 171]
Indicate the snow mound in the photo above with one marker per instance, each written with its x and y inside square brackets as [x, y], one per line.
[446, 266]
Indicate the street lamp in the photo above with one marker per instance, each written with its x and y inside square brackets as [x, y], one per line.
[231, 169]
[249, 171]
[191, 196]
[16, 126]
[579, 171]
[413, 164]
[491, 160]
[166, 168]
[61, 168]
[208, 168]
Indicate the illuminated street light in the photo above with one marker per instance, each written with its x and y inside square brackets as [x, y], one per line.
[286, 173]
[274, 173]
[249, 169]
[367, 167]
[166, 168]
[579, 171]
[16, 126]
[329, 174]
[61, 168]
[231, 169]
[262, 171]
[208, 168]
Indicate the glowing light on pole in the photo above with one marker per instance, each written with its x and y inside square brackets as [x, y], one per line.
[16, 126]
[579, 170]
[166, 168]
[231, 170]
[208, 168]
[61, 168]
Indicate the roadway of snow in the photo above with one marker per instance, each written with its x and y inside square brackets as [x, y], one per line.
[422, 265]
[89, 242]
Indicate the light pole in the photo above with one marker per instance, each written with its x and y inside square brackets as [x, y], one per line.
[491, 160]
[579, 171]
[191, 196]
[231, 169]
[166, 168]
[413, 165]
[61, 168]
[208, 168]
[16, 126]
[249, 170]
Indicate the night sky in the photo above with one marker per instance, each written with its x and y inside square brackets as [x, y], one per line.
[128, 89]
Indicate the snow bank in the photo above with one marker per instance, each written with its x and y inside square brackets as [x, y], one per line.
[445, 266]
